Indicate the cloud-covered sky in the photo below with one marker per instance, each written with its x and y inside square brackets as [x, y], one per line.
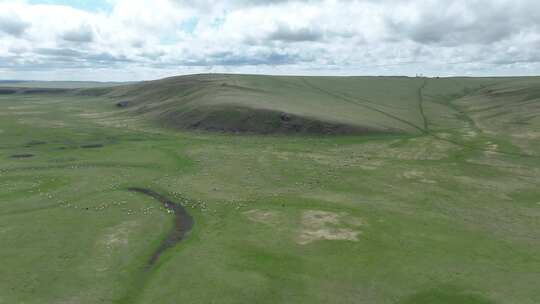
[148, 39]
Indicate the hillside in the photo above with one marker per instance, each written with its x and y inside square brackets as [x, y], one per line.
[289, 104]
[131, 209]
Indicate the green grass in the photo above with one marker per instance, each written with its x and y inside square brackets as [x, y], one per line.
[443, 214]
[368, 104]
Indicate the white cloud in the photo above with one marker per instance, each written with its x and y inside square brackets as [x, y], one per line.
[141, 39]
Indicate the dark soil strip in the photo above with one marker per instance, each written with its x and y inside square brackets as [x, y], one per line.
[22, 155]
[183, 222]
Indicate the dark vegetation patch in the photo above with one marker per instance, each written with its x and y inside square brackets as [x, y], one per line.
[44, 91]
[183, 222]
[236, 119]
[63, 159]
[122, 104]
[11, 91]
[7, 91]
[445, 295]
[23, 155]
[81, 166]
[94, 92]
[35, 143]
[528, 92]
[92, 146]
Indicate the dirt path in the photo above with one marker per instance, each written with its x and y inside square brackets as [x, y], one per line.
[183, 222]
[359, 102]
[421, 105]
[467, 119]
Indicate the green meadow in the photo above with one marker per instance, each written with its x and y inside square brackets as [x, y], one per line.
[301, 189]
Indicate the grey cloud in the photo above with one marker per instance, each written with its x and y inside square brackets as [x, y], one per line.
[106, 58]
[195, 3]
[271, 58]
[152, 55]
[205, 4]
[83, 34]
[286, 34]
[474, 22]
[433, 30]
[264, 2]
[70, 56]
[13, 25]
[60, 52]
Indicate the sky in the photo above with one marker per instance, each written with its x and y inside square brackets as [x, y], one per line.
[130, 40]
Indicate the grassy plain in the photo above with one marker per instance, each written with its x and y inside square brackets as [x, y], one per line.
[447, 210]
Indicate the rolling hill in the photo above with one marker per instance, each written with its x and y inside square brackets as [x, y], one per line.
[101, 202]
[290, 104]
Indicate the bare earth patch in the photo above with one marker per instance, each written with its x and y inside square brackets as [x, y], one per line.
[417, 175]
[470, 134]
[115, 239]
[413, 149]
[324, 225]
[444, 135]
[262, 216]
[118, 235]
[527, 135]
[491, 148]
[42, 123]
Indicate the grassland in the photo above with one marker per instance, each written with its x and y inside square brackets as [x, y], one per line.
[434, 200]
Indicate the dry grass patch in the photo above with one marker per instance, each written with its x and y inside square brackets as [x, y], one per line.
[114, 240]
[262, 216]
[417, 175]
[42, 123]
[470, 134]
[320, 225]
[421, 148]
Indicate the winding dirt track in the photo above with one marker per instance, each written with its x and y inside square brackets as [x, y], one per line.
[183, 223]
[363, 103]
[421, 105]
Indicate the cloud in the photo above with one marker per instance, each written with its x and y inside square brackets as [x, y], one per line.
[240, 59]
[82, 34]
[232, 4]
[287, 34]
[57, 52]
[465, 22]
[163, 37]
[12, 25]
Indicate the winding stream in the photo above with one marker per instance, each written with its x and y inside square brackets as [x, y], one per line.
[183, 222]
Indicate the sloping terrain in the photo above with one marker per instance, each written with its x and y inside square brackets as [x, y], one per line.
[285, 104]
[445, 211]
